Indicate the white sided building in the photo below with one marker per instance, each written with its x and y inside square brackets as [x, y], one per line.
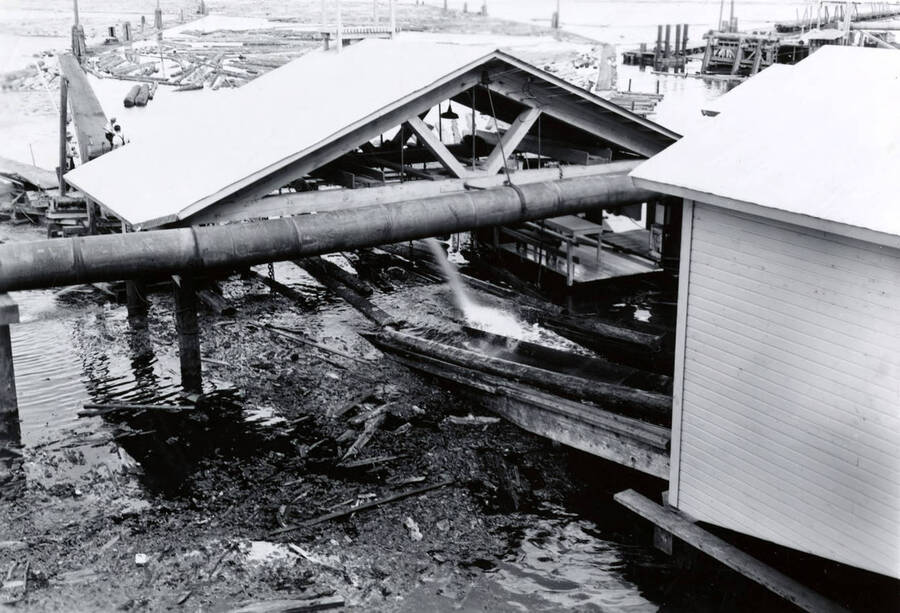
[786, 422]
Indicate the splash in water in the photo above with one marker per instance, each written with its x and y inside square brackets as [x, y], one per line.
[483, 317]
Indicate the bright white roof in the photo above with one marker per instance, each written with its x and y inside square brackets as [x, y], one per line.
[273, 119]
[776, 77]
[821, 149]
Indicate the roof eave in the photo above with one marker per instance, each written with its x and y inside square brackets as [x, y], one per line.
[798, 219]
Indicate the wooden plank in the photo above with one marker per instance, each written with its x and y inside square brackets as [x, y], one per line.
[9, 310]
[510, 140]
[675, 523]
[434, 144]
[684, 275]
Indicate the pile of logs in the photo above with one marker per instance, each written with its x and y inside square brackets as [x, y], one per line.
[217, 59]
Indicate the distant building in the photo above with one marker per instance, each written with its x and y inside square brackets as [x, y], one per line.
[786, 422]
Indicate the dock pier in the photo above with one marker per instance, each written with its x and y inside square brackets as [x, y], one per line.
[666, 53]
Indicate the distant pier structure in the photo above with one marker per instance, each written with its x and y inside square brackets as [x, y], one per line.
[666, 53]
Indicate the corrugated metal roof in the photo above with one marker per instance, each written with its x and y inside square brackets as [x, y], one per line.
[264, 123]
[826, 148]
[210, 153]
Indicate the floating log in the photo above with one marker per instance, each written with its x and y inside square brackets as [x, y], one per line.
[281, 288]
[645, 350]
[189, 88]
[142, 96]
[606, 395]
[325, 267]
[571, 363]
[627, 441]
[352, 297]
[296, 336]
[93, 409]
[215, 302]
[131, 96]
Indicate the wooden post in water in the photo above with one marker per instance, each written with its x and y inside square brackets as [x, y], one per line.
[136, 298]
[684, 38]
[63, 122]
[10, 431]
[658, 51]
[677, 39]
[188, 333]
[668, 47]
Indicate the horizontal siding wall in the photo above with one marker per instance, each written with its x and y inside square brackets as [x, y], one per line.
[790, 414]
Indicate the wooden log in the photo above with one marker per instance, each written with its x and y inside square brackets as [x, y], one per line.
[142, 96]
[624, 440]
[131, 96]
[296, 336]
[606, 395]
[675, 523]
[573, 363]
[215, 302]
[291, 606]
[92, 409]
[369, 310]
[363, 507]
[325, 267]
[646, 350]
[281, 288]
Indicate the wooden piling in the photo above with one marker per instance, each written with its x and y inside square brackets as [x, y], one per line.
[136, 298]
[188, 333]
[63, 123]
[678, 47]
[10, 432]
[668, 45]
[659, 38]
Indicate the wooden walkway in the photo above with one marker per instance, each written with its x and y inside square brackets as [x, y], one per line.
[586, 267]
[87, 114]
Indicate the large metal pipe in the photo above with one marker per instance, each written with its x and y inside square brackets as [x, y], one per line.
[56, 262]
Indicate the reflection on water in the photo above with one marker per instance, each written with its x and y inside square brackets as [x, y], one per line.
[562, 563]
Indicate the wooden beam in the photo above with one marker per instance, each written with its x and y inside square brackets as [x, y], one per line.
[10, 431]
[434, 144]
[188, 333]
[510, 140]
[607, 125]
[679, 526]
[405, 168]
[556, 150]
[9, 310]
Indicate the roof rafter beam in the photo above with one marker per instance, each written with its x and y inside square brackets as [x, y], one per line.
[438, 148]
[348, 141]
[610, 127]
[510, 140]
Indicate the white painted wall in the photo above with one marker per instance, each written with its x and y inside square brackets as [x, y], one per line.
[787, 400]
